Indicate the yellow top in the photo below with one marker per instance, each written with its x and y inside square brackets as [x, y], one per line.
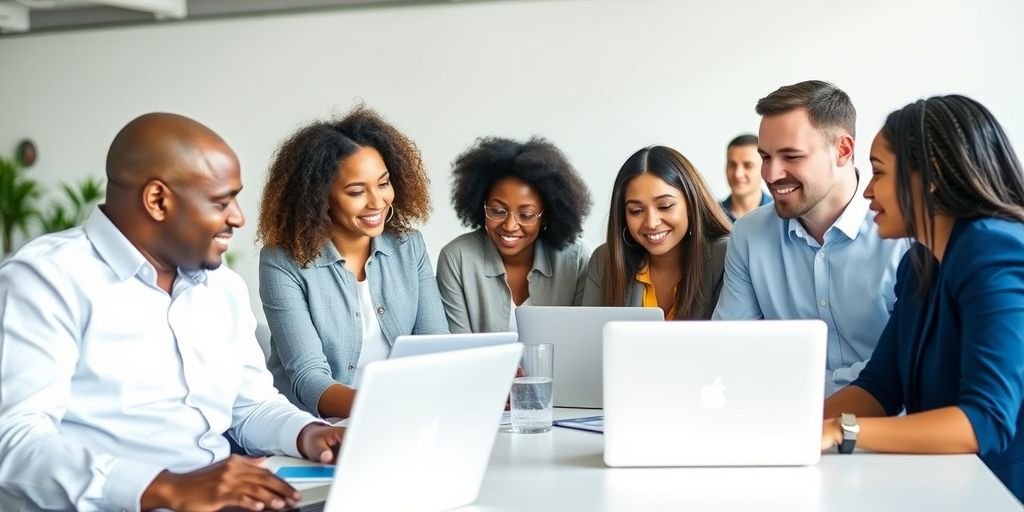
[650, 299]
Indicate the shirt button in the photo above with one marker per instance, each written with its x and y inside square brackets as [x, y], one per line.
[351, 367]
[380, 310]
[823, 303]
[357, 314]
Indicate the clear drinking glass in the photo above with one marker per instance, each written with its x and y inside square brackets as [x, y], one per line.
[532, 389]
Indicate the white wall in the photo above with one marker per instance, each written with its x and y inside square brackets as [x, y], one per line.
[599, 78]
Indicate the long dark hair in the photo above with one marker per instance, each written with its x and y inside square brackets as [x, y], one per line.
[706, 219]
[968, 168]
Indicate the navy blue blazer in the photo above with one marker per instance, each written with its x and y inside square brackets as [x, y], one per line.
[963, 345]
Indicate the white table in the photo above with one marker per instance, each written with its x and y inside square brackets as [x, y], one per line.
[563, 470]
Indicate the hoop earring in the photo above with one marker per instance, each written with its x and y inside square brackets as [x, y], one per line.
[626, 240]
[392, 214]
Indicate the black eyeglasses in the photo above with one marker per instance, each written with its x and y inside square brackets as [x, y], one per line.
[522, 218]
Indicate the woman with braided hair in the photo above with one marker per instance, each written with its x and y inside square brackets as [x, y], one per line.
[952, 354]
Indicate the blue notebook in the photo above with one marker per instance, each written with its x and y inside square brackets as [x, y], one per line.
[306, 473]
[587, 423]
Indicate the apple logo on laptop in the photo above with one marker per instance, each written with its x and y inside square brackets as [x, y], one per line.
[426, 438]
[712, 396]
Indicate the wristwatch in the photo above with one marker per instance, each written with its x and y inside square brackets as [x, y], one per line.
[848, 423]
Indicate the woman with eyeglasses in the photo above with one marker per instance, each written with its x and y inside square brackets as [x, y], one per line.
[666, 240]
[526, 205]
[343, 272]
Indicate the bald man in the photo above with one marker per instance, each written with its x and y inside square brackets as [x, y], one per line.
[126, 350]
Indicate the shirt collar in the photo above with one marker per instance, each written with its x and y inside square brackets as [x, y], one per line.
[494, 267]
[644, 275]
[850, 221]
[121, 255]
[329, 255]
[727, 204]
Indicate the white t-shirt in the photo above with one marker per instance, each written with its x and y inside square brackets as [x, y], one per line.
[513, 326]
[375, 347]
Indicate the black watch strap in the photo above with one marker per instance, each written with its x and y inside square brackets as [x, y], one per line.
[850, 427]
[848, 444]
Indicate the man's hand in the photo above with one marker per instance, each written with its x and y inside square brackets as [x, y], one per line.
[233, 482]
[320, 443]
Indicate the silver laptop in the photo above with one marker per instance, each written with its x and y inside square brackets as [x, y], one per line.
[576, 334]
[418, 345]
[714, 393]
[421, 432]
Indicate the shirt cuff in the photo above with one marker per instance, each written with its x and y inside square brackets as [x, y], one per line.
[125, 484]
[312, 388]
[289, 440]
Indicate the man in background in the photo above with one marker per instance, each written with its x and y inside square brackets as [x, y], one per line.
[743, 172]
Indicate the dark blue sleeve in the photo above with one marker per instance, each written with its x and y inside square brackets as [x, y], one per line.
[989, 288]
[881, 376]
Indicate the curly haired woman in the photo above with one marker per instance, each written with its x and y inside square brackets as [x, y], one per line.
[342, 272]
[526, 205]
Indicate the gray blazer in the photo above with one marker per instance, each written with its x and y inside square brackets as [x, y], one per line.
[476, 296]
[593, 294]
[313, 313]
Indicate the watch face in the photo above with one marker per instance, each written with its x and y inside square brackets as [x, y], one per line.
[849, 423]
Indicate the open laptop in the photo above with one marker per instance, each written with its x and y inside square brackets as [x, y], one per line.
[421, 432]
[714, 393]
[422, 344]
[576, 333]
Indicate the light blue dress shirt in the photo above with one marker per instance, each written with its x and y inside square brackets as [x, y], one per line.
[775, 270]
[106, 380]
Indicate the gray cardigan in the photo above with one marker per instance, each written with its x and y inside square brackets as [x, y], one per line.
[593, 294]
[476, 297]
[313, 313]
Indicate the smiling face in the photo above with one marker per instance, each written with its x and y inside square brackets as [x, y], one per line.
[508, 198]
[798, 163]
[743, 170]
[883, 192]
[361, 195]
[656, 214]
[205, 217]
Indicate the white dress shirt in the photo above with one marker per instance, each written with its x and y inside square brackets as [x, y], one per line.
[106, 380]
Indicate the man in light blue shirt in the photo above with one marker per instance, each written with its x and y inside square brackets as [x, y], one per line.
[815, 252]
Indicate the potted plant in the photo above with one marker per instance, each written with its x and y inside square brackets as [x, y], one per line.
[18, 196]
[78, 202]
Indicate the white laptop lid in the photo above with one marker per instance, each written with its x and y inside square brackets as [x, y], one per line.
[576, 333]
[422, 344]
[422, 430]
[714, 393]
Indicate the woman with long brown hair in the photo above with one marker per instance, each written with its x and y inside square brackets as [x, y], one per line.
[666, 239]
